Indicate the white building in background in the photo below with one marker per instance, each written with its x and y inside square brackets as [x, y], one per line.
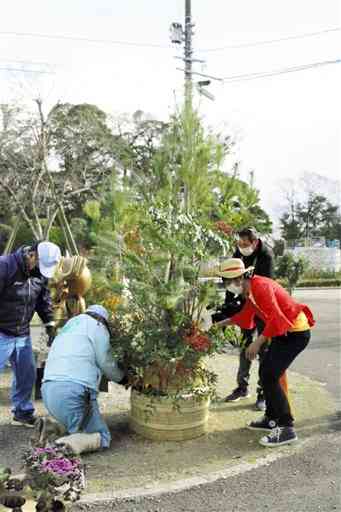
[319, 255]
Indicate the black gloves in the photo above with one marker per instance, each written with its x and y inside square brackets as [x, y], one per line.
[126, 370]
[103, 385]
[124, 381]
[51, 332]
[231, 306]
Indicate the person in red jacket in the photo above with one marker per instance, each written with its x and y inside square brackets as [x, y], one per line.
[287, 325]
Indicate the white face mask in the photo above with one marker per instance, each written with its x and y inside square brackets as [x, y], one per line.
[246, 251]
[235, 289]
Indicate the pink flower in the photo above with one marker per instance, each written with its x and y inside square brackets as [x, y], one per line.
[40, 451]
[60, 466]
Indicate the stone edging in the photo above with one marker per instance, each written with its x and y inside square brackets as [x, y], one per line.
[181, 485]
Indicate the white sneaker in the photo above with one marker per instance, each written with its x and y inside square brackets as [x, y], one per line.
[80, 443]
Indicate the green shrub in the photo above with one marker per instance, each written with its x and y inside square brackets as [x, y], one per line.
[314, 283]
[289, 269]
[312, 274]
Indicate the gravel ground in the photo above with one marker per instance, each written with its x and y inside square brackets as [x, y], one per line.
[306, 481]
[303, 482]
[130, 462]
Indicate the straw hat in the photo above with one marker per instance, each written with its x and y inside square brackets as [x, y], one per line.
[232, 268]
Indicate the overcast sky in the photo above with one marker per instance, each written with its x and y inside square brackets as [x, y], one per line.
[284, 125]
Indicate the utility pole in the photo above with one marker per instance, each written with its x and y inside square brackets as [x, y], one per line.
[252, 179]
[188, 55]
[183, 36]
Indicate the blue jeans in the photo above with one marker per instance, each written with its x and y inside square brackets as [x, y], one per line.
[18, 351]
[67, 402]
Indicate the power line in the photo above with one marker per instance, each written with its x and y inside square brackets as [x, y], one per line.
[204, 75]
[84, 39]
[271, 41]
[25, 62]
[265, 74]
[26, 70]
[156, 45]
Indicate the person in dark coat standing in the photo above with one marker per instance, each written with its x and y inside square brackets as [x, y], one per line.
[23, 291]
[254, 253]
[287, 323]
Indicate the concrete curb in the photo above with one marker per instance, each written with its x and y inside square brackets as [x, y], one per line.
[152, 491]
[310, 434]
[317, 288]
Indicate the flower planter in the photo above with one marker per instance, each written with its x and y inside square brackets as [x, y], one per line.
[162, 419]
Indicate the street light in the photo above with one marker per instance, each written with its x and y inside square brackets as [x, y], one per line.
[204, 83]
[200, 86]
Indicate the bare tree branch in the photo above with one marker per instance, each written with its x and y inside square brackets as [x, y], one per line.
[21, 209]
[50, 222]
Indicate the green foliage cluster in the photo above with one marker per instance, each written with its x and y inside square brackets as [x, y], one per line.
[289, 269]
[316, 217]
[25, 235]
[63, 158]
[318, 283]
[84, 149]
[278, 247]
[313, 274]
[239, 204]
[146, 239]
[143, 205]
[157, 327]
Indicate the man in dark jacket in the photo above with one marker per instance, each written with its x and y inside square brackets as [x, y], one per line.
[254, 253]
[23, 291]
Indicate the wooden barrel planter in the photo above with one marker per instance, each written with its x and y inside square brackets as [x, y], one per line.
[158, 419]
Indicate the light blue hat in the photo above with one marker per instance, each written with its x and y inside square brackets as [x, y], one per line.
[99, 310]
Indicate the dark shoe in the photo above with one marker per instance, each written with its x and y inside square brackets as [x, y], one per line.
[47, 430]
[278, 437]
[28, 421]
[237, 394]
[260, 403]
[262, 424]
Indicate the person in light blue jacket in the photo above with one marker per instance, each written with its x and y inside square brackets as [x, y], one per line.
[79, 355]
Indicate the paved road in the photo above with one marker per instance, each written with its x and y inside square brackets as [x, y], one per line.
[321, 361]
[307, 481]
[301, 483]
